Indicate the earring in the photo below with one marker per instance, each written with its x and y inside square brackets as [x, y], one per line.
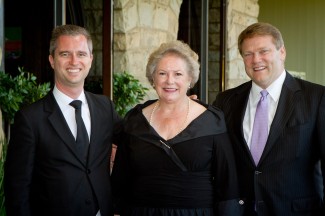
[189, 86]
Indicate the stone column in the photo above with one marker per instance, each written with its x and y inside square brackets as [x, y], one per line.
[139, 27]
[240, 14]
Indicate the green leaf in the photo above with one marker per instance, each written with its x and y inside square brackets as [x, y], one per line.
[127, 92]
[19, 91]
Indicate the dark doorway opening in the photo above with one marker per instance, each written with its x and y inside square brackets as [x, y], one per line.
[27, 30]
[190, 29]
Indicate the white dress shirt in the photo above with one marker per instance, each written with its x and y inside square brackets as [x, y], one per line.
[68, 111]
[274, 91]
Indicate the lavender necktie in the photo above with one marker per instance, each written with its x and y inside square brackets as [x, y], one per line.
[260, 128]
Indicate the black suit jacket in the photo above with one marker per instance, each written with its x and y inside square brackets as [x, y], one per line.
[288, 180]
[45, 175]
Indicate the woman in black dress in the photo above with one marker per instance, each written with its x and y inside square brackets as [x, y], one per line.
[175, 157]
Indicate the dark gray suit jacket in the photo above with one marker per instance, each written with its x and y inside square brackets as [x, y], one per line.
[45, 175]
[288, 180]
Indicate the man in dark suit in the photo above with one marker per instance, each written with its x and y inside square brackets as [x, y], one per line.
[287, 179]
[45, 173]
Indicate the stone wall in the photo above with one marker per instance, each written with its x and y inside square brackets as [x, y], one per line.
[139, 27]
[214, 50]
[142, 25]
[240, 14]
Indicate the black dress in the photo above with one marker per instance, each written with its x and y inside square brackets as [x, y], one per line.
[191, 174]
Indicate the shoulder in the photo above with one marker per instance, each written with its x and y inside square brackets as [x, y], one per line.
[309, 85]
[212, 118]
[297, 84]
[303, 89]
[102, 107]
[97, 97]
[43, 104]
[147, 108]
[228, 95]
[99, 102]
[144, 108]
[242, 88]
[197, 108]
[36, 112]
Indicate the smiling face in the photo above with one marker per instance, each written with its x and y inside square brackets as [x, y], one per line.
[171, 78]
[263, 62]
[71, 62]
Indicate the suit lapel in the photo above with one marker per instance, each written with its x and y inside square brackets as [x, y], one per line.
[60, 125]
[241, 101]
[285, 107]
[94, 130]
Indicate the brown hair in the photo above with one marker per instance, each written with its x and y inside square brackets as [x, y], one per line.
[70, 30]
[260, 29]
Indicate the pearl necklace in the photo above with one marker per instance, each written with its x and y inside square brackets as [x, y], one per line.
[182, 125]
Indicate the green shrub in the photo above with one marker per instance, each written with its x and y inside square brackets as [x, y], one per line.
[127, 92]
[19, 91]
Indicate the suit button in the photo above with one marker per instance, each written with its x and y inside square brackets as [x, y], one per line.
[241, 202]
[88, 171]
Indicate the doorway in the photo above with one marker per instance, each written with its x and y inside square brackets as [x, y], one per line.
[27, 30]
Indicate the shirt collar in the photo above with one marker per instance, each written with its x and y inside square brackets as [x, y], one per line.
[64, 99]
[274, 89]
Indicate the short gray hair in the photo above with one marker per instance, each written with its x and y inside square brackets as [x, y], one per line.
[180, 49]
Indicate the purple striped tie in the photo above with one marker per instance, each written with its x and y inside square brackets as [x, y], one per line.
[260, 128]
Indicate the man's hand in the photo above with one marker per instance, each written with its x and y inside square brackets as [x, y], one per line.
[193, 97]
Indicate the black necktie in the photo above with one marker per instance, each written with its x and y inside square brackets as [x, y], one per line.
[82, 139]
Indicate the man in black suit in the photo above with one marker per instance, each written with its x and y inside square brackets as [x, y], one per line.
[287, 179]
[45, 173]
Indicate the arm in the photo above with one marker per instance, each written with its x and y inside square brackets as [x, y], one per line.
[225, 178]
[218, 101]
[119, 178]
[321, 138]
[19, 167]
